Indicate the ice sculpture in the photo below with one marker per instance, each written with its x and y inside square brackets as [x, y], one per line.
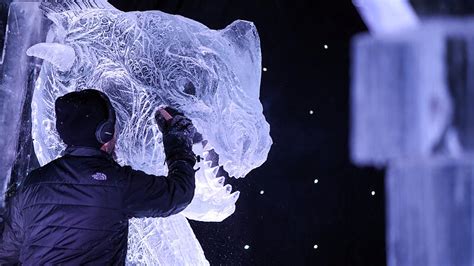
[412, 112]
[430, 214]
[144, 59]
[411, 93]
[26, 26]
[387, 16]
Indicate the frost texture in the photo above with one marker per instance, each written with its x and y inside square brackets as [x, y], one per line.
[144, 59]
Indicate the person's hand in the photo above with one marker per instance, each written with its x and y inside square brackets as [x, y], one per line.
[171, 121]
[164, 118]
[178, 133]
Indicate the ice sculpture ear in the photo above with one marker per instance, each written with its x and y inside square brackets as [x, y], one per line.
[244, 40]
[60, 55]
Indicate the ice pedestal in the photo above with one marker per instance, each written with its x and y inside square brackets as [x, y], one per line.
[382, 17]
[430, 211]
[25, 27]
[413, 112]
[411, 93]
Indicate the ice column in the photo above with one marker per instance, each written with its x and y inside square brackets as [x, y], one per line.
[26, 26]
[413, 112]
[430, 214]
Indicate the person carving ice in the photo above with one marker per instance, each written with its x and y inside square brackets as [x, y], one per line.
[75, 209]
[142, 60]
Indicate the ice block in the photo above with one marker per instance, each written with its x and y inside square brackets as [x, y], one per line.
[430, 212]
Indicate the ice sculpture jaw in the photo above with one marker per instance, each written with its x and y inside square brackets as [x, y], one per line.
[204, 207]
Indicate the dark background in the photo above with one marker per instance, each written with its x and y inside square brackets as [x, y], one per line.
[338, 214]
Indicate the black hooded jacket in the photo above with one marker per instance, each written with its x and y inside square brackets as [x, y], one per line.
[75, 210]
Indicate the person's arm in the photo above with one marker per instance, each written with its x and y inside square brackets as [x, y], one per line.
[12, 237]
[159, 196]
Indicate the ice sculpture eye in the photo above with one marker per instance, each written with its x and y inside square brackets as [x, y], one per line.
[190, 89]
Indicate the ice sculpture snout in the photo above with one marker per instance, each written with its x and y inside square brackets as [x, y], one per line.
[246, 145]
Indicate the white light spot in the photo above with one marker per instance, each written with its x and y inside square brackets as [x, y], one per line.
[311, 112]
[264, 69]
[261, 192]
[315, 246]
[373, 193]
[316, 181]
[246, 246]
[326, 46]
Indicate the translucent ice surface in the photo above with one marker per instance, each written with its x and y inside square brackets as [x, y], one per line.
[25, 28]
[412, 93]
[400, 102]
[144, 59]
[430, 212]
[387, 16]
[412, 111]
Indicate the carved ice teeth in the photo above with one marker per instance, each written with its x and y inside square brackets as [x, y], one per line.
[220, 180]
[208, 147]
[215, 170]
[210, 172]
[235, 195]
[228, 188]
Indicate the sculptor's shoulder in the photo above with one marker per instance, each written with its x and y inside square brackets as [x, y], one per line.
[39, 174]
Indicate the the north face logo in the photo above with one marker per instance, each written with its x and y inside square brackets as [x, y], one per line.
[99, 176]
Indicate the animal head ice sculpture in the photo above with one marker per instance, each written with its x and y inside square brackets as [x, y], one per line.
[144, 59]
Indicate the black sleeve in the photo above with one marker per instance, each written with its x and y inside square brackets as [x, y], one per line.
[159, 196]
[13, 233]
